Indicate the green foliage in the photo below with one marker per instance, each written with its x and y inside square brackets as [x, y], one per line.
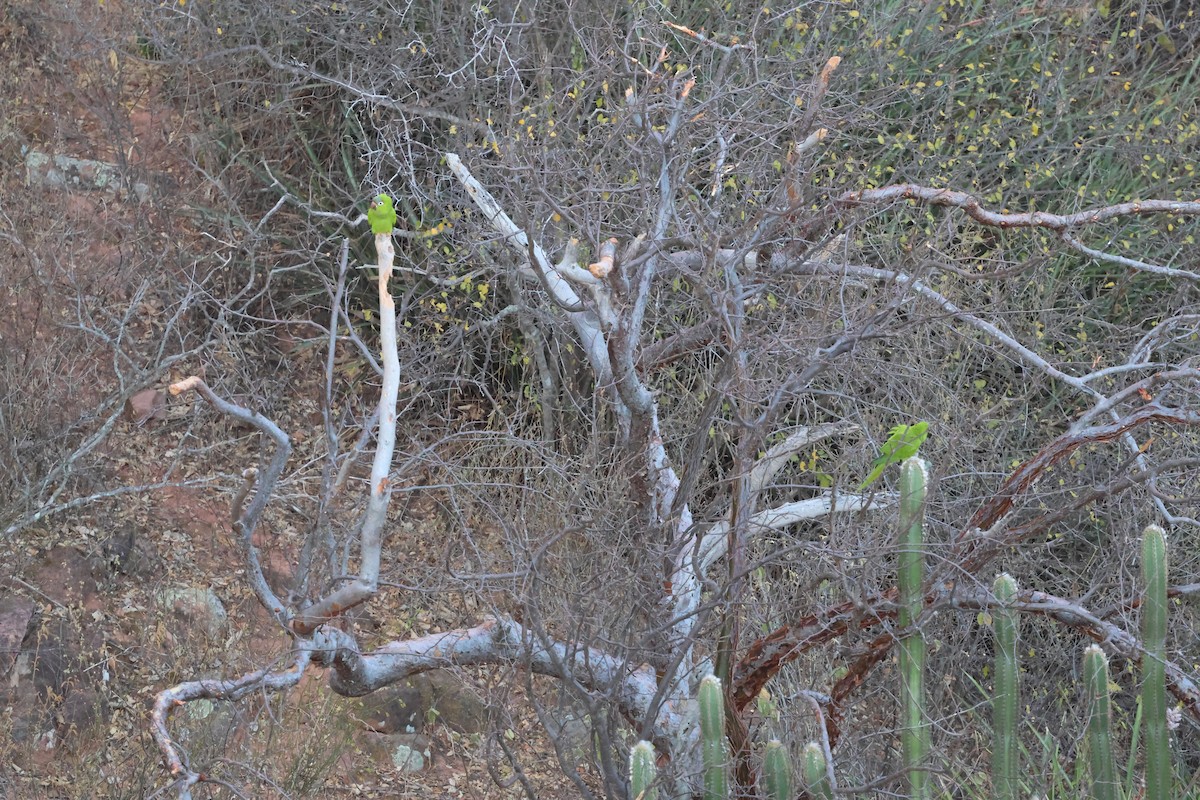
[914, 733]
[1095, 676]
[1154, 688]
[1045, 104]
[1058, 773]
[712, 739]
[642, 772]
[1006, 698]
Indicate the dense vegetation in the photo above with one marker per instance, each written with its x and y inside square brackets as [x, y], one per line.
[733, 138]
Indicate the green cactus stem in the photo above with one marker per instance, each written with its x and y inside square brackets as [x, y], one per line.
[777, 771]
[1104, 770]
[1154, 682]
[642, 772]
[815, 773]
[712, 738]
[914, 733]
[1006, 697]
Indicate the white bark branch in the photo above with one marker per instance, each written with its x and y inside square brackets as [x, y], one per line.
[1113, 638]
[767, 467]
[1030, 219]
[375, 517]
[168, 700]
[555, 276]
[715, 542]
[920, 288]
[1131, 263]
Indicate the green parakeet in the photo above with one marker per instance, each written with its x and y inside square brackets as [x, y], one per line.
[382, 214]
[903, 442]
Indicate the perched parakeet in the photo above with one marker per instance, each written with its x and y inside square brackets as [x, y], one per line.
[382, 214]
[903, 442]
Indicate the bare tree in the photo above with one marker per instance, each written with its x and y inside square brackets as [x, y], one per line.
[652, 343]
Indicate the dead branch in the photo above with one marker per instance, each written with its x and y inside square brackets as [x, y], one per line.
[1028, 219]
[247, 520]
[1061, 224]
[366, 584]
[1029, 472]
[168, 700]
[768, 654]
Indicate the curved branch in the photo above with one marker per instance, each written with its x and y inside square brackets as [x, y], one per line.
[263, 680]
[247, 520]
[1025, 475]
[496, 641]
[1111, 637]
[1131, 263]
[1030, 219]
[715, 542]
[767, 467]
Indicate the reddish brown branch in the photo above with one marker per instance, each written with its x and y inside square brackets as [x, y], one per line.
[1028, 473]
[767, 655]
[877, 650]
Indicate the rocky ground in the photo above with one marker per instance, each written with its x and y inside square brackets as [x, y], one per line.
[104, 605]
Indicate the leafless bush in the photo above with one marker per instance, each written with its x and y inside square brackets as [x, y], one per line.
[658, 297]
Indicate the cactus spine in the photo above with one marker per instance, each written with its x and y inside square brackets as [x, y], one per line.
[642, 772]
[1006, 697]
[816, 778]
[777, 771]
[914, 734]
[1154, 689]
[1104, 771]
[712, 736]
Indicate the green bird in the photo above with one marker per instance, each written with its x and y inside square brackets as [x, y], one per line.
[903, 442]
[382, 214]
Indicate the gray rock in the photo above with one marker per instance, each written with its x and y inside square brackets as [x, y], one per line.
[15, 614]
[400, 708]
[456, 704]
[571, 732]
[193, 604]
[408, 752]
[67, 172]
[407, 758]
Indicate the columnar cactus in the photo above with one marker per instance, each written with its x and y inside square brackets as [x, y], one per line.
[642, 772]
[712, 737]
[777, 771]
[816, 777]
[1006, 697]
[1154, 688]
[1104, 771]
[914, 733]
